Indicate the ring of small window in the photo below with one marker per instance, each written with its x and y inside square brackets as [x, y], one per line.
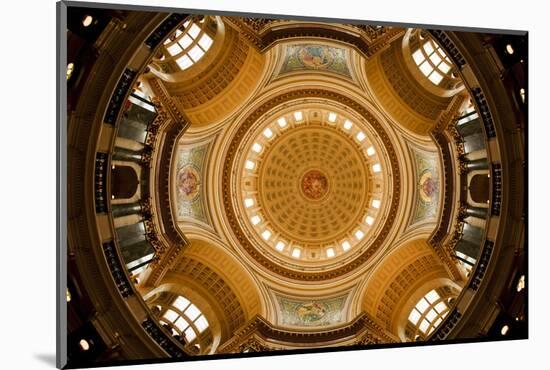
[188, 44]
[278, 126]
[428, 314]
[432, 61]
[186, 320]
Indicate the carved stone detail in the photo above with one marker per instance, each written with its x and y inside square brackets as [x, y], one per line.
[262, 33]
[260, 335]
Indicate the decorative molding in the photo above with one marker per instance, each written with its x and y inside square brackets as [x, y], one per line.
[446, 326]
[445, 42]
[153, 130]
[496, 194]
[119, 96]
[481, 267]
[117, 271]
[100, 183]
[165, 28]
[162, 339]
[260, 334]
[173, 127]
[484, 112]
[445, 129]
[264, 33]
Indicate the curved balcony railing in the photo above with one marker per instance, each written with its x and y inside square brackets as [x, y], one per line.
[483, 250]
[130, 250]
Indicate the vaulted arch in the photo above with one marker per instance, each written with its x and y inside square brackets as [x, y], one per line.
[397, 278]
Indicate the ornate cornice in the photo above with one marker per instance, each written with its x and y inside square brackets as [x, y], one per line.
[173, 126]
[228, 194]
[264, 33]
[444, 129]
[259, 334]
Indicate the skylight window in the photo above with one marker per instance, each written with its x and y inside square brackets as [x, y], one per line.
[330, 252]
[376, 167]
[296, 253]
[414, 316]
[432, 61]
[359, 234]
[201, 324]
[196, 53]
[369, 220]
[256, 147]
[248, 202]
[422, 305]
[255, 220]
[346, 245]
[188, 45]
[361, 136]
[185, 41]
[418, 57]
[432, 296]
[348, 124]
[180, 303]
[205, 42]
[428, 313]
[266, 234]
[268, 133]
[192, 312]
[194, 30]
[332, 117]
[184, 62]
[188, 321]
[174, 49]
[370, 151]
[376, 203]
[249, 165]
[190, 334]
[298, 116]
[181, 324]
[424, 326]
[435, 78]
[282, 122]
[280, 246]
[170, 315]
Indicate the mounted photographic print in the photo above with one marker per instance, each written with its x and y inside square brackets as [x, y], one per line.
[240, 186]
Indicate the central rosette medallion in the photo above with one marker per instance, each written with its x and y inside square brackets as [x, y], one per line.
[314, 185]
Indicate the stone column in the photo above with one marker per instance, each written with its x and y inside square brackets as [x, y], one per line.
[476, 212]
[120, 210]
[477, 164]
[123, 154]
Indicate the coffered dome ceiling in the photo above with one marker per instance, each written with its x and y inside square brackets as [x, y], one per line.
[311, 185]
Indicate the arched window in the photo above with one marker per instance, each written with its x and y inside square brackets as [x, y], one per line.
[432, 60]
[427, 315]
[124, 182]
[479, 188]
[188, 44]
[185, 319]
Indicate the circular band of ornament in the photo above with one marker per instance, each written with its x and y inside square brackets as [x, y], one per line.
[229, 196]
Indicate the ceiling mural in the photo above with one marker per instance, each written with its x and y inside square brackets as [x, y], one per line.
[427, 186]
[315, 57]
[311, 313]
[189, 183]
